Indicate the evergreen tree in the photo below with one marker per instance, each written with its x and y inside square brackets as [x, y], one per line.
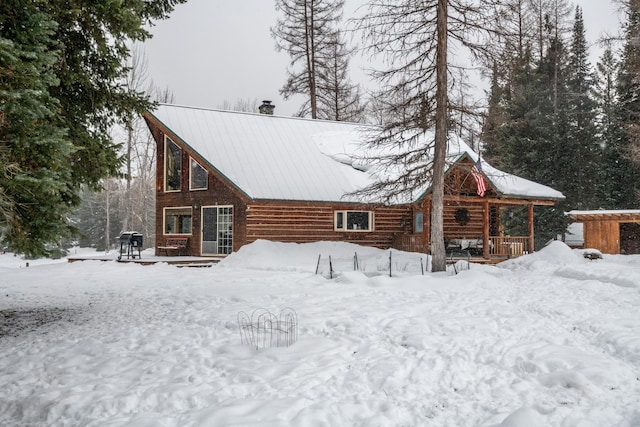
[627, 146]
[582, 171]
[531, 135]
[494, 119]
[61, 69]
[37, 190]
[617, 169]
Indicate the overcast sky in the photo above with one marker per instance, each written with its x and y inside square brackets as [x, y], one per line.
[210, 51]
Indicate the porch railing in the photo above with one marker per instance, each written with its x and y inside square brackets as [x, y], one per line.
[508, 246]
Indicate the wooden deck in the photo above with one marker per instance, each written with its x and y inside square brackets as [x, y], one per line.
[178, 261]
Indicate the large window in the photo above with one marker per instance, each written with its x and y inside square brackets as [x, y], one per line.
[353, 221]
[198, 177]
[172, 165]
[177, 220]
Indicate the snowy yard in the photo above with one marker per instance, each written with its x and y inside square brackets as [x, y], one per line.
[549, 339]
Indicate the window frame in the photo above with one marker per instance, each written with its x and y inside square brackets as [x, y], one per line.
[167, 142]
[176, 232]
[344, 219]
[206, 184]
[418, 222]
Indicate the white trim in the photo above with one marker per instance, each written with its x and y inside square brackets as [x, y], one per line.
[164, 221]
[345, 214]
[217, 207]
[164, 166]
[206, 187]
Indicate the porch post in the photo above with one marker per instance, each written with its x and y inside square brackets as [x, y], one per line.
[530, 227]
[485, 229]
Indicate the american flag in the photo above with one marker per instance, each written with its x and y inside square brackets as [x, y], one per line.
[476, 171]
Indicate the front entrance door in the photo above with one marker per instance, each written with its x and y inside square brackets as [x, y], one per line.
[217, 230]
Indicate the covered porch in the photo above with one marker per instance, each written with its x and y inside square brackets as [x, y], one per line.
[486, 230]
[488, 214]
[491, 228]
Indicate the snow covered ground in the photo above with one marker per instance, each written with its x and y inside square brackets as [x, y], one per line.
[548, 339]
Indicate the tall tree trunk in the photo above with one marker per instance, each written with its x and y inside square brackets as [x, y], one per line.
[107, 228]
[128, 209]
[310, 48]
[440, 149]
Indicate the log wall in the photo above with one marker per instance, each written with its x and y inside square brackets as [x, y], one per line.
[218, 193]
[471, 230]
[309, 222]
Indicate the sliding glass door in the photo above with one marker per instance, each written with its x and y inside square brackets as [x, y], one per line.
[217, 230]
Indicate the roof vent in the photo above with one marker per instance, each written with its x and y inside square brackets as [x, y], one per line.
[266, 108]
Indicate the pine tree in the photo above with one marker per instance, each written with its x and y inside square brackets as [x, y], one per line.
[628, 88]
[581, 171]
[62, 64]
[531, 139]
[36, 191]
[617, 168]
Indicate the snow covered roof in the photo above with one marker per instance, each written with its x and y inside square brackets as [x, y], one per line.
[287, 158]
[614, 214]
[505, 183]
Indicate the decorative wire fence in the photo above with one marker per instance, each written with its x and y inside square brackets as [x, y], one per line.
[264, 329]
[392, 263]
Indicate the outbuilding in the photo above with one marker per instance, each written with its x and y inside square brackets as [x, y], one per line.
[610, 231]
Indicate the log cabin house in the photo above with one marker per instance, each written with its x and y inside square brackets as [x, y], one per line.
[226, 179]
[610, 231]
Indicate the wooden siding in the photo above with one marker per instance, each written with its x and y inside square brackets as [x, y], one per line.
[611, 232]
[309, 222]
[300, 221]
[472, 229]
[602, 235]
[218, 193]
[460, 182]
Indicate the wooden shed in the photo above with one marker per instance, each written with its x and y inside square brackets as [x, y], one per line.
[610, 231]
[226, 179]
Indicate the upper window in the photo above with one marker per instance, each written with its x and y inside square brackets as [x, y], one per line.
[354, 221]
[198, 177]
[172, 165]
[177, 220]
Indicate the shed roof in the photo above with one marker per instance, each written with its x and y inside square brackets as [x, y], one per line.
[619, 215]
[287, 158]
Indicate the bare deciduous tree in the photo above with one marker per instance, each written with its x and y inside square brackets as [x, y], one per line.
[127, 203]
[338, 98]
[304, 30]
[416, 83]
[244, 105]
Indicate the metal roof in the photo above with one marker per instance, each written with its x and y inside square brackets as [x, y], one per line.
[287, 158]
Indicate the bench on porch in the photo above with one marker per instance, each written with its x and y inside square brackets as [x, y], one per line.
[472, 246]
[174, 244]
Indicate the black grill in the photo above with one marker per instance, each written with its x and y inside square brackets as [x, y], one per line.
[129, 242]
